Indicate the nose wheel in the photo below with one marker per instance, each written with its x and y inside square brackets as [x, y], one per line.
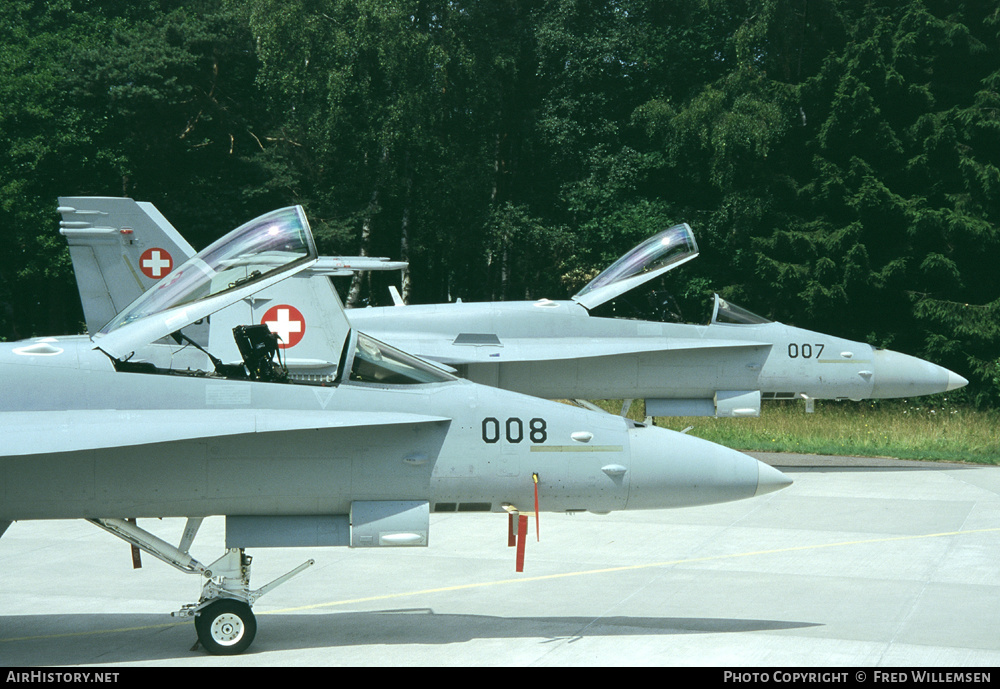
[226, 627]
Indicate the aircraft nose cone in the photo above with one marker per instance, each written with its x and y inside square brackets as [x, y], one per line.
[770, 479]
[671, 469]
[901, 375]
[955, 381]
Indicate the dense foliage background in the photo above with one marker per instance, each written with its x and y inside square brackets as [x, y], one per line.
[839, 161]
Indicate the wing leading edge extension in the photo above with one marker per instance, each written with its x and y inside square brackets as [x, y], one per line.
[37, 432]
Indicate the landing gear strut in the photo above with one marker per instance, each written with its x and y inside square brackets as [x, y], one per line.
[222, 617]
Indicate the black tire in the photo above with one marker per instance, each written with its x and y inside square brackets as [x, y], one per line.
[226, 627]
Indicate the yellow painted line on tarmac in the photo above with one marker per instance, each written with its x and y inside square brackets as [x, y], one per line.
[625, 568]
[524, 580]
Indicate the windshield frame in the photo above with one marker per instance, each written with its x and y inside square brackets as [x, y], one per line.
[397, 362]
[727, 313]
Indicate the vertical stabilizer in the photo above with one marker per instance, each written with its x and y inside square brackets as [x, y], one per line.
[119, 249]
[305, 313]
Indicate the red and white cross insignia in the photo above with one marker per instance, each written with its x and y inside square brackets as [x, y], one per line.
[287, 322]
[155, 263]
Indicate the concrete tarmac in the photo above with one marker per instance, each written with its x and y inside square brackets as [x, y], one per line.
[858, 563]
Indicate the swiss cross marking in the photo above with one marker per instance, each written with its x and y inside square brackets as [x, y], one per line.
[155, 263]
[287, 322]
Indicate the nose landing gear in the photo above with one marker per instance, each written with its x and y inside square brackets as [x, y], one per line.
[223, 620]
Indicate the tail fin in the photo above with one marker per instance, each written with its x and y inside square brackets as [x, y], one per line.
[396, 299]
[119, 249]
[305, 313]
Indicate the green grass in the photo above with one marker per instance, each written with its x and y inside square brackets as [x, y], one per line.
[926, 428]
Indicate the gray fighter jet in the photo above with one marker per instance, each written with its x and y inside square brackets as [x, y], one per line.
[139, 420]
[557, 349]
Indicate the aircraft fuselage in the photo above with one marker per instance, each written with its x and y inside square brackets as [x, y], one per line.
[205, 446]
[555, 349]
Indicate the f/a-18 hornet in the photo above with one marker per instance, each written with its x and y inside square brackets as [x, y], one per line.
[356, 447]
[550, 349]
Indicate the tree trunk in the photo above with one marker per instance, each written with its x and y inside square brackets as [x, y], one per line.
[366, 239]
[354, 294]
[404, 242]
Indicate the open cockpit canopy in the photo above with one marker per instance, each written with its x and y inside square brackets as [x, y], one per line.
[262, 247]
[219, 282]
[654, 257]
[253, 256]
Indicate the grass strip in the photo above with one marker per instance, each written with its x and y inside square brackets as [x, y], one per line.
[927, 428]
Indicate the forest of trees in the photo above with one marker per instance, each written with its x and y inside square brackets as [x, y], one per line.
[839, 161]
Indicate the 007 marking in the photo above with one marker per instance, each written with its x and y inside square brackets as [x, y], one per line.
[805, 351]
